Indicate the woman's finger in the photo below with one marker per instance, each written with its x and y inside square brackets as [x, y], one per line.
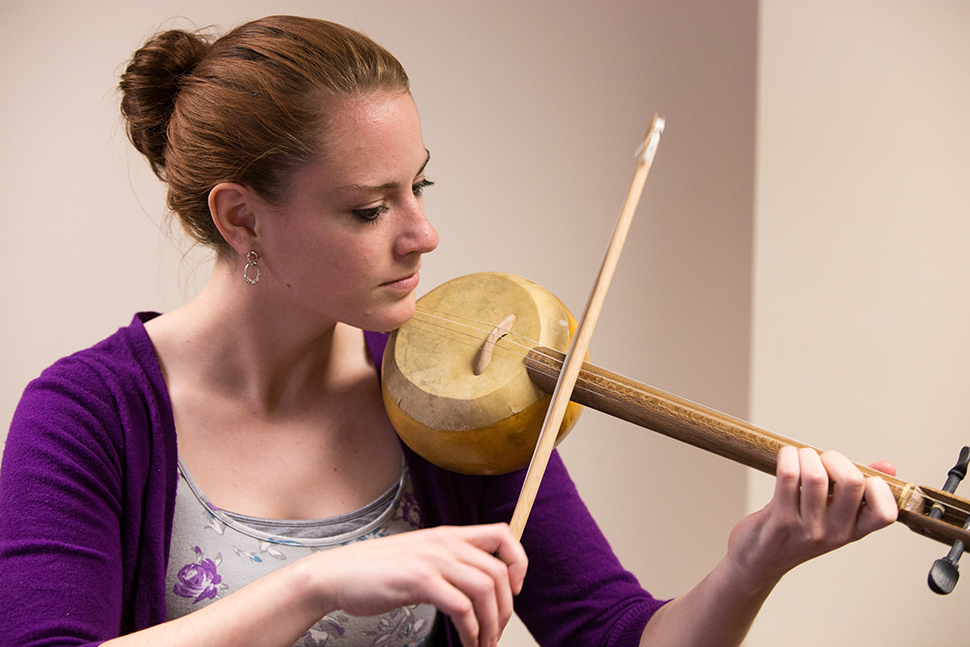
[885, 467]
[814, 482]
[488, 567]
[479, 566]
[511, 552]
[452, 601]
[495, 552]
[880, 508]
[787, 495]
[848, 488]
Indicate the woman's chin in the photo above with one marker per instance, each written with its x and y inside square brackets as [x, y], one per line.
[394, 316]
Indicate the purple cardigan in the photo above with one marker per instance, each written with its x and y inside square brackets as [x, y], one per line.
[87, 494]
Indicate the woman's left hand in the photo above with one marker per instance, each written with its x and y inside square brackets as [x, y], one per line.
[804, 519]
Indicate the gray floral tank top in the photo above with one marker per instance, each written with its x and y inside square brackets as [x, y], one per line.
[215, 552]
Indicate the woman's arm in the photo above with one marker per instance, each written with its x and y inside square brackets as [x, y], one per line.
[802, 521]
[69, 493]
[470, 574]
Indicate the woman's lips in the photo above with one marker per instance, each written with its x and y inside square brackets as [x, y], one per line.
[405, 284]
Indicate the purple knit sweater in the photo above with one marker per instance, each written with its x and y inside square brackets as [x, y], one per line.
[87, 493]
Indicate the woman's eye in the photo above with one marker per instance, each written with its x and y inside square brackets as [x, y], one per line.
[418, 187]
[371, 214]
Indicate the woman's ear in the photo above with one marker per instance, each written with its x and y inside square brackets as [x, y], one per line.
[232, 208]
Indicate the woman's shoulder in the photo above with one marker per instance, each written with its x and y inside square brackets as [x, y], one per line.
[126, 355]
[102, 388]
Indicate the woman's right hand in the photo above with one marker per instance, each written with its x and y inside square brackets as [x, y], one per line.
[469, 573]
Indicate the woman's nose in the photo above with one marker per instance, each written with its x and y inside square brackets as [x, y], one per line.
[419, 236]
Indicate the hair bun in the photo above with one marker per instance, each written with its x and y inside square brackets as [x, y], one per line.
[150, 86]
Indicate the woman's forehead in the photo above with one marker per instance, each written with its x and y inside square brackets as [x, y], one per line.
[373, 140]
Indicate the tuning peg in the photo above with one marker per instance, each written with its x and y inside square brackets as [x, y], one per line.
[945, 572]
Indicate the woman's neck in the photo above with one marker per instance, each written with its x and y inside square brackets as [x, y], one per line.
[238, 344]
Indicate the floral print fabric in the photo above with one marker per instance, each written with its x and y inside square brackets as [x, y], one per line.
[215, 552]
[199, 580]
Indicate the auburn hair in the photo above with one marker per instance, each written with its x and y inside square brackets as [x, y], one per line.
[249, 107]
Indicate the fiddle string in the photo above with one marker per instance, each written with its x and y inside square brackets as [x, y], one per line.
[473, 333]
[472, 336]
[473, 330]
[516, 347]
[473, 324]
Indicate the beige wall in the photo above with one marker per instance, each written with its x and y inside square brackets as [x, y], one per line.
[532, 111]
[862, 288]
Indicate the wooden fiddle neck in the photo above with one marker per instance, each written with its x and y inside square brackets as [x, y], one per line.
[730, 437]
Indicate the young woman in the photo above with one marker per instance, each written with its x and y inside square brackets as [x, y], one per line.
[288, 512]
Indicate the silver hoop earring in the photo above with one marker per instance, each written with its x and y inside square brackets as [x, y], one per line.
[252, 260]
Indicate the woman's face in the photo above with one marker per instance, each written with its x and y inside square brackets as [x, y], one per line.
[347, 244]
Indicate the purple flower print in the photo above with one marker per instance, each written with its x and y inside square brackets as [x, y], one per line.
[199, 580]
[410, 510]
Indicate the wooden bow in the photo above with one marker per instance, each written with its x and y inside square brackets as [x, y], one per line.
[580, 343]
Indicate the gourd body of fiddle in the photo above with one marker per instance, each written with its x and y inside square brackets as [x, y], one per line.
[468, 423]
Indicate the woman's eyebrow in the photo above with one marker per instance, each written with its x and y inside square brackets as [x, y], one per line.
[427, 158]
[386, 185]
